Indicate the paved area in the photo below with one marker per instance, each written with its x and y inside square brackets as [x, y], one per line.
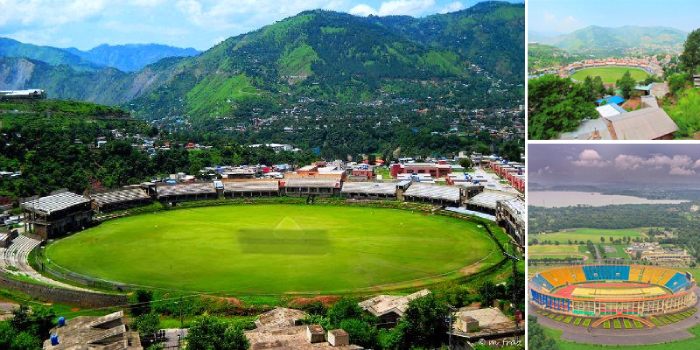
[673, 332]
[15, 260]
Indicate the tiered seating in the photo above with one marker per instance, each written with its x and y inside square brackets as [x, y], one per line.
[636, 273]
[558, 277]
[577, 274]
[251, 186]
[542, 282]
[607, 272]
[433, 192]
[677, 282]
[119, 197]
[186, 189]
[369, 188]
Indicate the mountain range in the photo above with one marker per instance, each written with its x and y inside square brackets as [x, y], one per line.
[127, 58]
[607, 41]
[317, 54]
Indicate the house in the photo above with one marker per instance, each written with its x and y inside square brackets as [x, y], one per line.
[488, 326]
[390, 308]
[642, 124]
[108, 332]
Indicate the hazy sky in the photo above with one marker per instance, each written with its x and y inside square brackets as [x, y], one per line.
[641, 163]
[185, 23]
[564, 16]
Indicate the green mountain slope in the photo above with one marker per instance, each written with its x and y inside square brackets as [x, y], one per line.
[545, 56]
[334, 57]
[603, 41]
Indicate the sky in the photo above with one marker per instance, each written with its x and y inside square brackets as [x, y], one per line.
[632, 163]
[184, 23]
[552, 17]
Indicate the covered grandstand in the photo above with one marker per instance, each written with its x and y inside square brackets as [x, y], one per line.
[254, 188]
[487, 201]
[304, 186]
[119, 199]
[605, 290]
[435, 194]
[185, 192]
[369, 190]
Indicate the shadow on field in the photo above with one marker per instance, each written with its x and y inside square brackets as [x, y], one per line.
[280, 241]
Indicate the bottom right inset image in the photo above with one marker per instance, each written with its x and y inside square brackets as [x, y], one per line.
[613, 245]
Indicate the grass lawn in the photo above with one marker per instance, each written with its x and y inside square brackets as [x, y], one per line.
[584, 234]
[273, 249]
[562, 251]
[586, 322]
[610, 75]
[692, 343]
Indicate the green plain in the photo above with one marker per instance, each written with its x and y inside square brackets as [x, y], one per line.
[276, 249]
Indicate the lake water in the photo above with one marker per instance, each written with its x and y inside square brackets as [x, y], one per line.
[554, 199]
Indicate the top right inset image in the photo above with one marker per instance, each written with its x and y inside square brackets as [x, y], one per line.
[613, 70]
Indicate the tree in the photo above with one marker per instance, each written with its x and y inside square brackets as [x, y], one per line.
[345, 308]
[557, 105]
[465, 163]
[361, 332]
[626, 84]
[678, 82]
[147, 324]
[25, 341]
[488, 293]
[141, 302]
[211, 333]
[537, 339]
[423, 323]
[690, 58]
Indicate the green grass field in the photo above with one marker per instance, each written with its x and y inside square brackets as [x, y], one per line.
[274, 249]
[610, 74]
[541, 251]
[584, 234]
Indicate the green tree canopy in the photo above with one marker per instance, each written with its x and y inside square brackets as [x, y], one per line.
[690, 58]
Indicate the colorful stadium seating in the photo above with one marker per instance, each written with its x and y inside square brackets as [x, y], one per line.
[557, 277]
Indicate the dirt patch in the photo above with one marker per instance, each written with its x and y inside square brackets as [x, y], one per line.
[471, 269]
[326, 300]
[632, 104]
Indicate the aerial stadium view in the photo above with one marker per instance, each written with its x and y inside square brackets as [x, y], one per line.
[596, 75]
[612, 262]
[319, 175]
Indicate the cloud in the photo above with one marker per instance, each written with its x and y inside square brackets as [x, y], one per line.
[395, 7]
[146, 3]
[44, 13]
[545, 170]
[681, 171]
[590, 158]
[678, 164]
[452, 7]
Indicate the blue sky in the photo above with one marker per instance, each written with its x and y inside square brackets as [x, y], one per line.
[564, 16]
[186, 23]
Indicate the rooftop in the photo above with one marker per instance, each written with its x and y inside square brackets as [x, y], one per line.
[384, 304]
[95, 333]
[422, 190]
[119, 196]
[56, 202]
[489, 199]
[643, 124]
[387, 188]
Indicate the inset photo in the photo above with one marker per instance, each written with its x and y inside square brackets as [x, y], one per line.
[622, 70]
[613, 246]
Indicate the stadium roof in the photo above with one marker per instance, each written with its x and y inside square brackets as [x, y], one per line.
[119, 196]
[251, 186]
[56, 202]
[384, 304]
[388, 188]
[489, 199]
[421, 190]
[186, 189]
[312, 182]
[643, 124]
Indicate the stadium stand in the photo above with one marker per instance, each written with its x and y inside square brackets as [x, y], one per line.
[304, 186]
[119, 199]
[443, 195]
[183, 192]
[487, 201]
[251, 188]
[57, 214]
[372, 190]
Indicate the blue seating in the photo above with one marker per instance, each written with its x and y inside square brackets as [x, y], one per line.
[607, 272]
[542, 282]
[677, 282]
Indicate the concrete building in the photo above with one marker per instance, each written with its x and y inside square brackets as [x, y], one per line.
[489, 326]
[57, 214]
[510, 214]
[108, 332]
[319, 186]
[281, 328]
[658, 255]
[186, 192]
[435, 194]
[119, 199]
[390, 308]
[251, 188]
[435, 170]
